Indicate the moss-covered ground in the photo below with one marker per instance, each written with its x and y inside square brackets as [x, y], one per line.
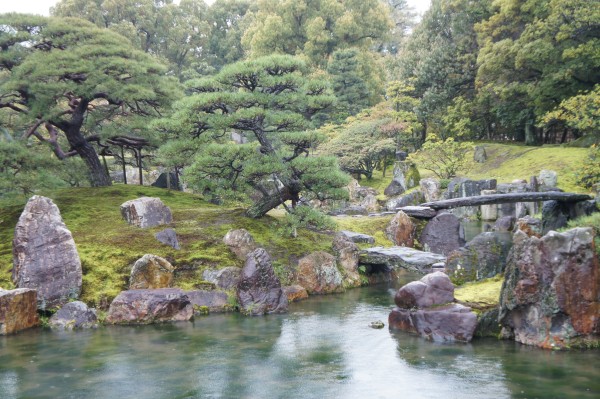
[483, 294]
[508, 162]
[108, 246]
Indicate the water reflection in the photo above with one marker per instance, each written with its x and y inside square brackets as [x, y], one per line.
[322, 349]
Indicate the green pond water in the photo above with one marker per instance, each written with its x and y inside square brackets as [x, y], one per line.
[323, 348]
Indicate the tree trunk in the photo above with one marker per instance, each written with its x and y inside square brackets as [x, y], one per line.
[123, 165]
[265, 204]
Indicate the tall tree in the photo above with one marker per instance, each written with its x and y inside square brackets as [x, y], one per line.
[348, 85]
[176, 32]
[536, 54]
[440, 58]
[67, 78]
[271, 102]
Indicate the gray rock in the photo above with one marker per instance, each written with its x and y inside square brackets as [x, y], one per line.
[442, 234]
[259, 290]
[414, 198]
[146, 212]
[226, 278]
[358, 237]
[394, 188]
[44, 255]
[168, 181]
[448, 323]
[420, 212]
[487, 324]
[18, 310]
[505, 223]
[550, 296]
[319, 274]
[350, 211]
[479, 155]
[548, 178]
[430, 189]
[168, 237]
[488, 212]
[529, 225]
[482, 257]
[240, 242]
[204, 301]
[400, 258]
[555, 215]
[150, 306]
[151, 271]
[433, 289]
[73, 316]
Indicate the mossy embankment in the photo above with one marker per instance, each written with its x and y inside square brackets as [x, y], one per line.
[108, 246]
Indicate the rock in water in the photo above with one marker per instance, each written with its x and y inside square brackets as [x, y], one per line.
[240, 242]
[74, 315]
[151, 271]
[318, 273]
[259, 290]
[551, 294]
[209, 301]
[346, 253]
[18, 310]
[295, 293]
[426, 307]
[44, 254]
[150, 306]
[146, 212]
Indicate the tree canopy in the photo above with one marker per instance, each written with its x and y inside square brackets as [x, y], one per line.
[68, 79]
[270, 101]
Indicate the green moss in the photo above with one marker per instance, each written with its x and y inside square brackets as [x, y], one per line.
[108, 246]
[483, 294]
[372, 225]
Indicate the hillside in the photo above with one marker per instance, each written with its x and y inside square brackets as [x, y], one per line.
[108, 246]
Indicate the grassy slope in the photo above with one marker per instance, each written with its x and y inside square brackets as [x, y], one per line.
[108, 246]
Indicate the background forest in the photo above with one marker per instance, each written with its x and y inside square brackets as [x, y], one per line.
[275, 102]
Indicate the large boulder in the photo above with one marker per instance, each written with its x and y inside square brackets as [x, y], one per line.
[226, 278]
[433, 289]
[347, 253]
[167, 180]
[44, 255]
[168, 237]
[406, 176]
[319, 274]
[151, 271]
[426, 307]
[150, 306]
[396, 258]
[551, 294]
[401, 230]
[259, 290]
[555, 215]
[146, 212]
[442, 234]
[240, 242]
[447, 323]
[204, 301]
[73, 316]
[18, 310]
[482, 257]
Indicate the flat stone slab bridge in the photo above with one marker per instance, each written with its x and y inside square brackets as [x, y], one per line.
[429, 209]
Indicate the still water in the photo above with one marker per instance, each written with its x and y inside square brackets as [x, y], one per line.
[323, 348]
